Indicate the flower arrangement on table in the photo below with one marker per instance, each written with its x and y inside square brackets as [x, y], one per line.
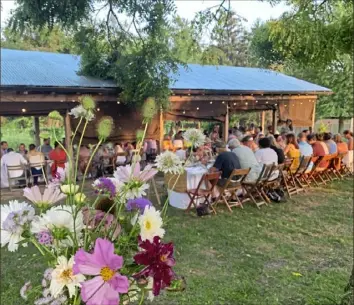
[105, 251]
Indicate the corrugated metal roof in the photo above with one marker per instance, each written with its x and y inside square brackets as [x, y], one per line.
[34, 68]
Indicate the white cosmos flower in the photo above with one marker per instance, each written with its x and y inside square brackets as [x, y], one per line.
[50, 196]
[80, 112]
[59, 217]
[69, 189]
[134, 189]
[14, 217]
[194, 136]
[168, 162]
[63, 276]
[150, 224]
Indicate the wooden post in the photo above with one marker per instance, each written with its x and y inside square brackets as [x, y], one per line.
[37, 140]
[161, 130]
[263, 121]
[274, 120]
[68, 132]
[351, 124]
[226, 124]
[313, 116]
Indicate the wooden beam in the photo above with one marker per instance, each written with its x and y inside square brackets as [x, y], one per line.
[226, 124]
[161, 130]
[40, 98]
[221, 98]
[313, 117]
[37, 140]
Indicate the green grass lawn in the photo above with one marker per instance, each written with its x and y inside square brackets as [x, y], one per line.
[293, 253]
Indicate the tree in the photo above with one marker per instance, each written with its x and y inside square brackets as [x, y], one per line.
[44, 39]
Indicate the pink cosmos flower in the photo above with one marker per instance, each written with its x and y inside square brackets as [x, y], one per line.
[132, 172]
[105, 287]
[50, 196]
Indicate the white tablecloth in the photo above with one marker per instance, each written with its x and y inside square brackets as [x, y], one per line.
[181, 200]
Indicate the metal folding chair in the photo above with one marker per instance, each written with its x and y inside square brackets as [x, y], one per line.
[208, 181]
[229, 190]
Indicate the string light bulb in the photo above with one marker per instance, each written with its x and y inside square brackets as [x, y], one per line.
[197, 108]
[211, 102]
[223, 102]
[24, 110]
[266, 102]
[184, 112]
[118, 102]
[98, 109]
[246, 103]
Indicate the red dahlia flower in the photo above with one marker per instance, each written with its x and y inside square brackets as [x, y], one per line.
[158, 259]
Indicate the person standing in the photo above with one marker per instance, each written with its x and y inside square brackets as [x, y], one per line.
[348, 159]
[45, 148]
[4, 147]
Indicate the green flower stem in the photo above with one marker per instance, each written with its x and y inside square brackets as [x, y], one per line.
[88, 164]
[36, 244]
[77, 155]
[76, 129]
[139, 145]
[142, 297]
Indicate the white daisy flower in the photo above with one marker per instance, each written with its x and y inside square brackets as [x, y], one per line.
[150, 224]
[62, 276]
[168, 162]
[56, 219]
[14, 217]
[195, 137]
[134, 189]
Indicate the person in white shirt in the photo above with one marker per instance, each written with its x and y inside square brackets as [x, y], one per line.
[266, 155]
[13, 159]
[181, 153]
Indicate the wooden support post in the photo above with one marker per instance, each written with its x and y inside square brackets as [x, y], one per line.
[161, 130]
[313, 116]
[37, 140]
[263, 121]
[68, 132]
[226, 124]
[351, 124]
[274, 120]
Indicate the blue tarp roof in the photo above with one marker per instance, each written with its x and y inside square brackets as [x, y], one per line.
[35, 68]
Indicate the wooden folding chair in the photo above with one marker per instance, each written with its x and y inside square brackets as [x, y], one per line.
[229, 190]
[318, 173]
[16, 168]
[300, 175]
[256, 189]
[344, 170]
[208, 181]
[312, 174]
[287, 180]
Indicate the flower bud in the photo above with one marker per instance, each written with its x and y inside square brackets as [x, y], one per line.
[80, 198]
[69, 189]
[139, 135]
[149, 109]
[88, 102]
[55, 115]
[104, 127]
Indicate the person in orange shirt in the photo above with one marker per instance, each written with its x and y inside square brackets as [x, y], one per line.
[341, 146]
[167, 144]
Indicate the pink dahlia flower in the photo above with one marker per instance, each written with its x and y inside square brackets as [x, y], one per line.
[132, 172]
[103, 264]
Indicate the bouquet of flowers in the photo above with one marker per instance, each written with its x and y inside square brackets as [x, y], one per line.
[107, 250]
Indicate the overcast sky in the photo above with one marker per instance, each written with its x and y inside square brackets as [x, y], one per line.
[250, 10]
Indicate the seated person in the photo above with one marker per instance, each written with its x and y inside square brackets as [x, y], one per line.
[118, 149]
[319, 148]
[249, 142]
[332, 146]
[13, 159]
[181, 153]
[58, 155]
[341, 146]
[305, 148]
[246, 158]
[84, 157]
[292, 151]
[22, 150]
[167, 144]
[274, 145]
[266, 155]
[226, 162]
[36, 157]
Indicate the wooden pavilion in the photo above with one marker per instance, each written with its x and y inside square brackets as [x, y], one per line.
[34, 83]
